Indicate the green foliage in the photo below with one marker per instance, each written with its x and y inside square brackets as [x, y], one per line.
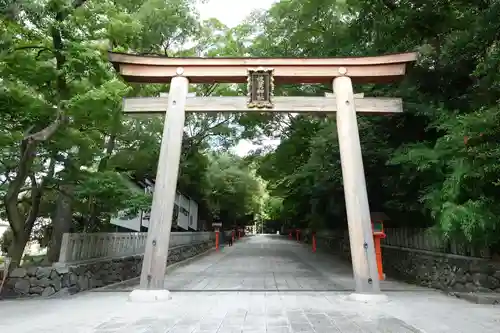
[6, 241]
[464, 195]
[272, 209]
[111, 192]
[233, 190]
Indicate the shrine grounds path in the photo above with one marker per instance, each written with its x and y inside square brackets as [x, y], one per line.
[261, 284]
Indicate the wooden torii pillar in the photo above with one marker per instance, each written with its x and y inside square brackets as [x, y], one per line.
[340, 72]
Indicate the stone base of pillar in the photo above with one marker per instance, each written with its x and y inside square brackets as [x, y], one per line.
[148, 296]
[368, 298]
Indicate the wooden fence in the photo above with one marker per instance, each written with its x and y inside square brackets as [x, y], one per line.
[420, 239]
[426, 240]
[81, 247]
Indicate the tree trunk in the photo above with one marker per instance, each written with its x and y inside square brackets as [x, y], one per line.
[21, 224]
[93, 220]
[62, 221]
[16, 248]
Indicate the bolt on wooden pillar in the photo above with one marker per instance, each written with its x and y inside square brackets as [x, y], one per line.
[358, 212]
[152, 280]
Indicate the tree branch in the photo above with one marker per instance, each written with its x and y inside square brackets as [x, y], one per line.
[36, 197]
[7, 179]
[165, 48]
[198, 138]
[32, 47]
[11, 10]
[48, 131]
[78, 3]
[210, 89]
[27, 155]
[8, 168]
[390, 4]
[37, 191]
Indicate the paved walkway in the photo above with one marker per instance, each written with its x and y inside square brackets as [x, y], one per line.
[262, 284]
[268, 263]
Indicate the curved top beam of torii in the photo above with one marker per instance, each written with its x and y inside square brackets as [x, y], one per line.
[157, 69]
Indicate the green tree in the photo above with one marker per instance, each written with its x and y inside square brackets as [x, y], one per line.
[233, 191]
[61, 107]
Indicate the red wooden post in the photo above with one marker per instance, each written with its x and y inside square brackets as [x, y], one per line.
[290, 235]
[378, 234]
[297, 232]
[217, 226]
[314, 241]
[378, 253]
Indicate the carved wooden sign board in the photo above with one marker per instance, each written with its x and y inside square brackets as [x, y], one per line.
[260, 88]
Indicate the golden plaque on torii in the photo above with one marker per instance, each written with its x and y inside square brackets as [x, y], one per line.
[260, 84]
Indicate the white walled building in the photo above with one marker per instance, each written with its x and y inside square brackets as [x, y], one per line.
[185, 212]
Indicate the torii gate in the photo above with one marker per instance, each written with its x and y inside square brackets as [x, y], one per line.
[261, 74]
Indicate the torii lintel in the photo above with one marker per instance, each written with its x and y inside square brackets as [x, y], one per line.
[158, 69]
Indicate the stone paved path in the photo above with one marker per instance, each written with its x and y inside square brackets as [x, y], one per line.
[233, 291]
[268, 263]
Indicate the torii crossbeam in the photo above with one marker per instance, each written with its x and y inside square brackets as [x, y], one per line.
[261, 74]
[156, 105]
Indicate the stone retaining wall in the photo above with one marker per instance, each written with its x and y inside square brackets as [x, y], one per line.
[448, 272]
[442, 271]
[57, 281]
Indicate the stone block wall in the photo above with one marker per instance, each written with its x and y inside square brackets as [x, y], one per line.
[71, 279]
[447, 272]
[337, 243]
[442, 271]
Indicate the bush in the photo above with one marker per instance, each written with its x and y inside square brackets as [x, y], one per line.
[34, 260]
[6, 240]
